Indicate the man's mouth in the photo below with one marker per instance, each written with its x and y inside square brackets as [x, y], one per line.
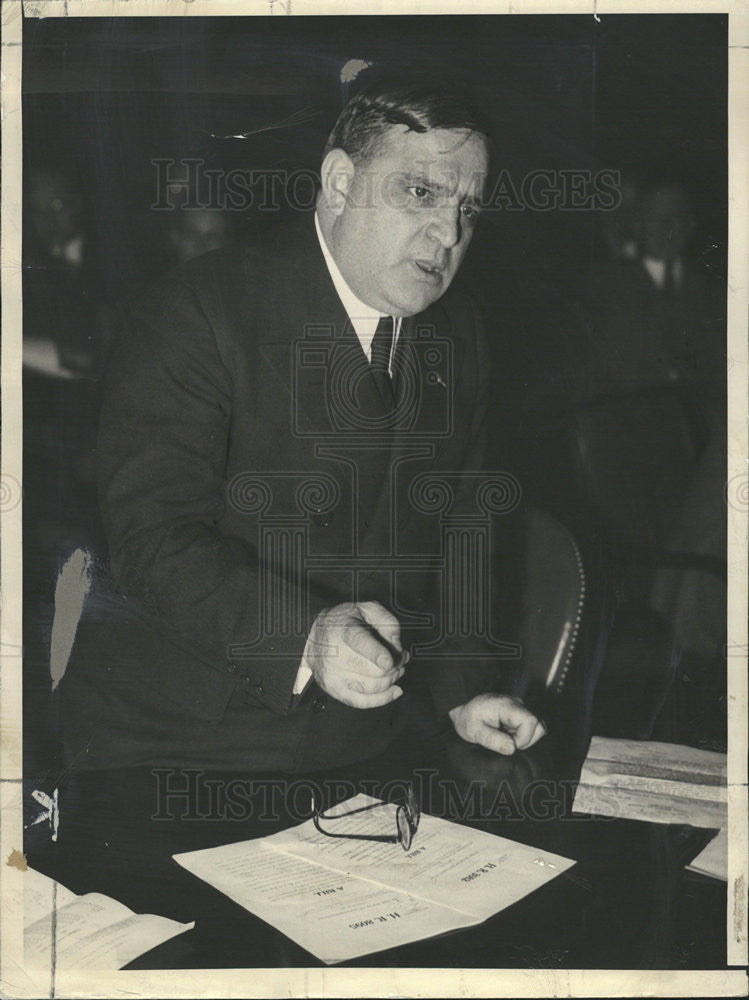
[430, 269]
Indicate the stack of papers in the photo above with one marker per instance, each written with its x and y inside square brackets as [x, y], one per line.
[66, 931]
[713, 859]
[657, 782]
[342, 898]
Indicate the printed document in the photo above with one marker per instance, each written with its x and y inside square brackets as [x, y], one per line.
[657, 782]
[342, 898]
[66, 931]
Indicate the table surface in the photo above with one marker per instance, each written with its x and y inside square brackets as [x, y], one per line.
[627, 903]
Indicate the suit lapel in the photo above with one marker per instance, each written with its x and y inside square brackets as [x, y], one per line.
[318, 365]
[430, 359]
[315, 351]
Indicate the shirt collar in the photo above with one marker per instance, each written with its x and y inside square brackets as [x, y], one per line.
[656, 268]
[364, 318]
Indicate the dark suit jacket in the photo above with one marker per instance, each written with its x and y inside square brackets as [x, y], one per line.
[250, 476]
[642, 338]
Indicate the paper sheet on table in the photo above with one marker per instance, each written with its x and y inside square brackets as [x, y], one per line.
[657, 782]
[713, 858]
[341, 899]
[85, 932]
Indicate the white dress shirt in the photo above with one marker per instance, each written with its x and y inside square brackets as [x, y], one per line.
[364, 320]
[657, 270]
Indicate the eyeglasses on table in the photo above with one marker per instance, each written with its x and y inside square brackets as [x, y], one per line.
[407, 818]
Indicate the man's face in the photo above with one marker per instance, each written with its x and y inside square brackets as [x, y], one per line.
[409, 217]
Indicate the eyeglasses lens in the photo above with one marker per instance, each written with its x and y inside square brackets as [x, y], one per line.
[405, 834]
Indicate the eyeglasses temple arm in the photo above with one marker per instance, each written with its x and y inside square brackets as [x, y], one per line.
[382, 839]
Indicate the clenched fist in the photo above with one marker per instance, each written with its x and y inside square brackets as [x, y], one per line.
[354, 652]
[498, 722]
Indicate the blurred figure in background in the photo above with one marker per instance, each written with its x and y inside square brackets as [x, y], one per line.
[59, 300]
[193, 232]
[654, 319]
[63, 348]
[56, 216]
[194, 224]
[618, 226]
[657, 326]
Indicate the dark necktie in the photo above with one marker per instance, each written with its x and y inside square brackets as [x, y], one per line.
[669, 280]
[382, 346]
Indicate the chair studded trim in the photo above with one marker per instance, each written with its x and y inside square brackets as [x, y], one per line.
[574, 629]
[552, 598]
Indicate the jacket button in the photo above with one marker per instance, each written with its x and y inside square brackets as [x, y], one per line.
[232, 668]
[319, 704]
[259, 690]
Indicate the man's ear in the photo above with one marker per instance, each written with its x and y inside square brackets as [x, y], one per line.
[336, 176]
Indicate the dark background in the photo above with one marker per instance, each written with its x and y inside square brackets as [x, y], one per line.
[645, 95]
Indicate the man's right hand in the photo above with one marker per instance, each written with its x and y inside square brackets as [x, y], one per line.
[350, 653]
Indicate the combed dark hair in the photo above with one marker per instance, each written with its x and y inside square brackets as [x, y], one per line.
[416, 104]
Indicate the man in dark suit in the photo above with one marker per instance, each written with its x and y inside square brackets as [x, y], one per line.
[655, 319]
[286, 432]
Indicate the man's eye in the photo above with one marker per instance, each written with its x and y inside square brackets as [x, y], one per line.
[419, 192]
[469, 212]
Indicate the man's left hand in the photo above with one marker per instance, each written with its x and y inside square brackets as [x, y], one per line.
[497, 722]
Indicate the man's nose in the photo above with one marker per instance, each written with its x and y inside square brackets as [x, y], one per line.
[445, 226]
